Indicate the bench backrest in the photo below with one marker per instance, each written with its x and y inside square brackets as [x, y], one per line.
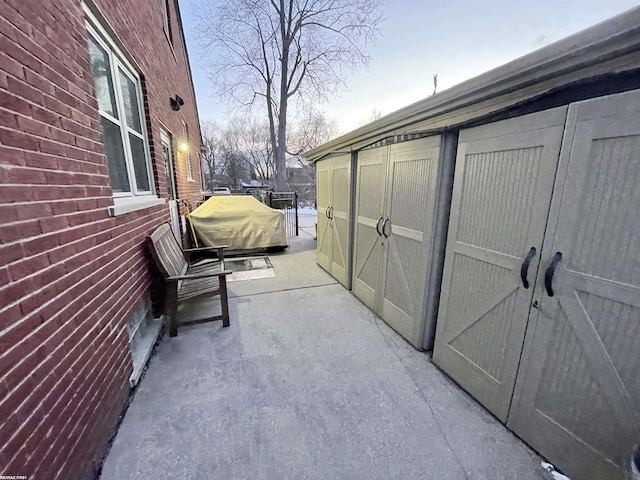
[166, 252]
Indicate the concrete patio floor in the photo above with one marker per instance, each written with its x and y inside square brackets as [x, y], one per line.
[306, 383]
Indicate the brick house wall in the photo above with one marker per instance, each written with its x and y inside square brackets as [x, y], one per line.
[70, 273]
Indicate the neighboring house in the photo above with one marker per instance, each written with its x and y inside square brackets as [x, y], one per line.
[301, 177]
[234, 184]
[232, 181]
[94, 153]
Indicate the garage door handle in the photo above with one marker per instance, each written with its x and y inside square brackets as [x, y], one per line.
[384, 228]
[378, 225]
[524, 269]
[331, 212]
[551, 270]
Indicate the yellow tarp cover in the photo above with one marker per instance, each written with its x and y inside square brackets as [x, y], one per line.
[240, 222]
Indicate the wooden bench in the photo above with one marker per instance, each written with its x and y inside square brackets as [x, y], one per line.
[186, 282]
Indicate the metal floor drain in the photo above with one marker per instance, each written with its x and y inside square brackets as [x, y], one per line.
[247, 264]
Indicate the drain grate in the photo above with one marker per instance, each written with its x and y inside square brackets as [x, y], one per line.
[246, 264]
[249, 268]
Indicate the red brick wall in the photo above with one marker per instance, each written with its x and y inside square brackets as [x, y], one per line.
[70, 273]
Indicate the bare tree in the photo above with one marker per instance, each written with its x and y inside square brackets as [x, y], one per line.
[235, 166]
[224, 155]
[248, 136]
[372, 117]
[212, 157]
[272, 53]
[309, 129]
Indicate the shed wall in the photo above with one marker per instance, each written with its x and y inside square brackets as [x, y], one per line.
[575, 381]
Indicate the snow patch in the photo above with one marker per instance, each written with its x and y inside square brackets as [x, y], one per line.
[553, 474]
[307, 211]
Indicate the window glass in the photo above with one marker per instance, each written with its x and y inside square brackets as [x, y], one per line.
[165, 18]
[101, 72]
[120, 115]
[139, 162]
[112, 139]
[187, 157]
[130, 99]
[166, 155]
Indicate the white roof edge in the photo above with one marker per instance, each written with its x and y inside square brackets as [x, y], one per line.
[615, 37]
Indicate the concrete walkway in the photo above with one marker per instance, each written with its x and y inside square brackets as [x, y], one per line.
[306, 383]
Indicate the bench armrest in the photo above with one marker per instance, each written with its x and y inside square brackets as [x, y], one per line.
[218, 273]
[204, 249]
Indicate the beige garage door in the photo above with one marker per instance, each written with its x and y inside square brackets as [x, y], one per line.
[573, 390]
[502, 191]
[577, 397]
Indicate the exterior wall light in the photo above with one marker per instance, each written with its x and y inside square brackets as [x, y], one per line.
[183, 147]
[176, 103]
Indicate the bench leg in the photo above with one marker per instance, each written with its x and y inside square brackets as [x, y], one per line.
[173, 324]
[224, 302]
[171, 308]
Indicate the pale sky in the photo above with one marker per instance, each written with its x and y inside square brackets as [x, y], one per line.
[458, 40]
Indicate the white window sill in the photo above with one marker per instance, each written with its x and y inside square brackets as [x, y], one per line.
[191, 180]
[123, 205]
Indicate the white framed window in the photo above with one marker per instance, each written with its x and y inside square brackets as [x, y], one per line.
[166, 26]
[187, 156]
[124, 131]
[167, 157]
